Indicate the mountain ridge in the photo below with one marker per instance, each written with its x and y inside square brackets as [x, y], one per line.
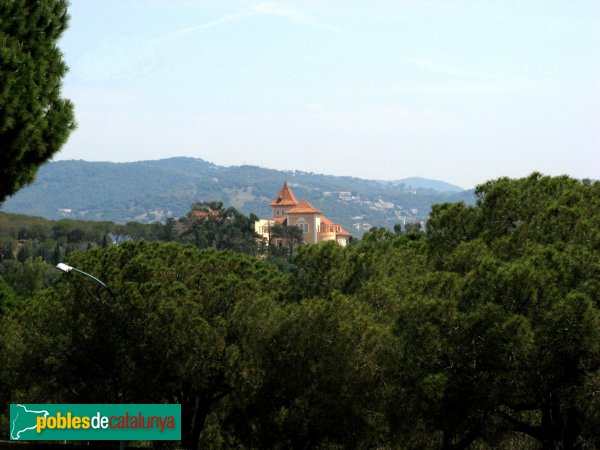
[155, 190]
[427, 183]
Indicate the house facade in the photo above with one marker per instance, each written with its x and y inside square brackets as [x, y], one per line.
[289, 212]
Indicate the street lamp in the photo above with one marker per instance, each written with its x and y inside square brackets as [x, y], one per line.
[66, 268]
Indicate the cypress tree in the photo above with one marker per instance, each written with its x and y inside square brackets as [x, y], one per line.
[23, 254]
[56, 255]
[34, 120]
[10, 252]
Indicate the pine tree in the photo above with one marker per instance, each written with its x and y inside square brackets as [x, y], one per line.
[34, 120]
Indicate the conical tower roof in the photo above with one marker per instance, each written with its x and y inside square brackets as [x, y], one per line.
[285, 197]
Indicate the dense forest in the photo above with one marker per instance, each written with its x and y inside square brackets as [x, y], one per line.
[481, 330]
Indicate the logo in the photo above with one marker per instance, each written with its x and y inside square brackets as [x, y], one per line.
[87, 422]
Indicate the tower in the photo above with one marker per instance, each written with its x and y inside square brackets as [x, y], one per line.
[284, 200]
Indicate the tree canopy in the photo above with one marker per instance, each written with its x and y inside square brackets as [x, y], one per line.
[483, 331]
[167, 314]
[35, 121]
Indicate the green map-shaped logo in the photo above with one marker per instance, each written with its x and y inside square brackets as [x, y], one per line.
[23, 420]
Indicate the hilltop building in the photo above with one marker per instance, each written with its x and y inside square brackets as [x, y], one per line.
[289, 212]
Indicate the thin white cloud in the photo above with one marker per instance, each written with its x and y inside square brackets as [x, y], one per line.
[273, 9]
[280, 9]
[126, 59]
[204, 26]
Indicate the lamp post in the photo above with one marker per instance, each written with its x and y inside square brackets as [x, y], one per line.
[66, 268]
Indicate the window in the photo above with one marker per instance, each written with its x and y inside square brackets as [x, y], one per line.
[302, 225]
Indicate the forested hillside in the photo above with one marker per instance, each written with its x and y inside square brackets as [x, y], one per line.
[150, 191]
[481, 332]
[31, 247]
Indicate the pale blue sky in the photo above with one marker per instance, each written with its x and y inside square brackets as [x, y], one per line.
[462, 91]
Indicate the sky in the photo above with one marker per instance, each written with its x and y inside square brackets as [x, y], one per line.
[461, 91]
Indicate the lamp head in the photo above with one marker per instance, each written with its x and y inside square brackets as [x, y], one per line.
[64, 267]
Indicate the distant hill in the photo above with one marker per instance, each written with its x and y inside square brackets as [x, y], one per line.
[149, 191]
[424, 183]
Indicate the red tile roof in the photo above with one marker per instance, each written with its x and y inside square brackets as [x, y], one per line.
[326, 221]
[303, 208]
[339, 231]
[285, 197]
[200, 214]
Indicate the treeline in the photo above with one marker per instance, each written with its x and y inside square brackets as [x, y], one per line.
[23, 236]
[30, 247]
[483, 331]
[206, 225]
